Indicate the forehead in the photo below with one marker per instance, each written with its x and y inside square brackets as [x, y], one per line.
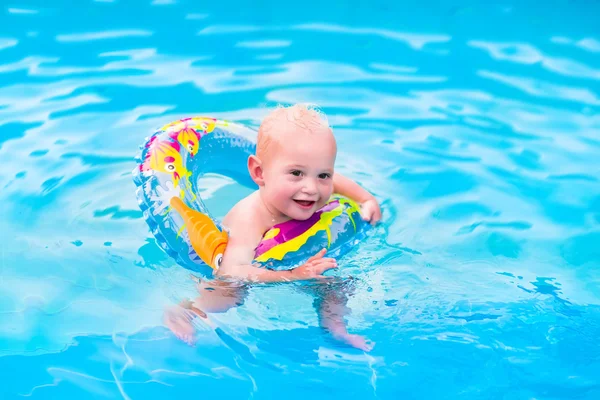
[313, 149]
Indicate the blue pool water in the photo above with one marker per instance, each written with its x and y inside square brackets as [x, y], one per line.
[477, 127]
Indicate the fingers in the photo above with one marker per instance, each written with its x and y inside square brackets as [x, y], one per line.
[375, 217]
[320, 254]
[378, 216]
[370, 212]
[366, 214]
[323, 265]
[317, 265]
[366, 211]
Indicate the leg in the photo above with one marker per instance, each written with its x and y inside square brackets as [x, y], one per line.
[215, 297]
[218, 296]
[331, 305]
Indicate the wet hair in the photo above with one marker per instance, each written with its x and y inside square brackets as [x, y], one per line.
[279, 120]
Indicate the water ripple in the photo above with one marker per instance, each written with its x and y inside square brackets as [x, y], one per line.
[480, 142]
[264, 44]
[587, 44]
[415, 41]
[89, 36]
[523, 53]
[544, 89]
[29, 11]
[7, 43]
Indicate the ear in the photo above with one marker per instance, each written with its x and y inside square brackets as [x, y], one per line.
[256, 170]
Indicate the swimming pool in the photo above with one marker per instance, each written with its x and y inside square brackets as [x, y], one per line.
[477, 127]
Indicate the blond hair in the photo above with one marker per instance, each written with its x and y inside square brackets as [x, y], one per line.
[276, 123]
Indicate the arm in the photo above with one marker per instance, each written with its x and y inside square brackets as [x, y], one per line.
[370, 209]
[237, 260]
[348, 188]
[312, 269]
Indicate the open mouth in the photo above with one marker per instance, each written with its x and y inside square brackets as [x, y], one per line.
[305, 203]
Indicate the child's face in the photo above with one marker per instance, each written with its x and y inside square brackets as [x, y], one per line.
[298, 174]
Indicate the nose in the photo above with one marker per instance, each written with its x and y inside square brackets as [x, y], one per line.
[310, 186]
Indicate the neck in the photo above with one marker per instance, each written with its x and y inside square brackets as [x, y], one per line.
[271, 214]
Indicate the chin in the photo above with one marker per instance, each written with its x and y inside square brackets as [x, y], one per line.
[304, 216]
[299, 214]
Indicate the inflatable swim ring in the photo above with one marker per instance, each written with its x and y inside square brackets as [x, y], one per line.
[170, 165]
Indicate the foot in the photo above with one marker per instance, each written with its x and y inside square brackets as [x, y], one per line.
[356, 341]
[179, 321]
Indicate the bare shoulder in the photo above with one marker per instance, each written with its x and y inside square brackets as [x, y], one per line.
[244, 218]
[245, 227]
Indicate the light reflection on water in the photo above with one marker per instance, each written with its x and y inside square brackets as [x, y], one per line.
[480, 141]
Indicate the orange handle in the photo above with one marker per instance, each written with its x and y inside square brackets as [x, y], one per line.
[206, 239]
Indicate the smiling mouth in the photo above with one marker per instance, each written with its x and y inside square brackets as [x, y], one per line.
[305, 203]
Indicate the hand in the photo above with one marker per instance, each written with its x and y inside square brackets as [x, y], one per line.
[370, 211]
[314, 266]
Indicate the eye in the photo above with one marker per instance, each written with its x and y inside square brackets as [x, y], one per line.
[170, 167]
[218, 260]
[324, 176]
[190, 148]
[296, 172]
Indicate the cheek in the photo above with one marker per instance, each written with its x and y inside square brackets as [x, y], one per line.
[327, 187]
[283, 190]
[291, 188]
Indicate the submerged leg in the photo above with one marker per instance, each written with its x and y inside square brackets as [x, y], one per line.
[215, 297]
[331, 305]
[178, 319]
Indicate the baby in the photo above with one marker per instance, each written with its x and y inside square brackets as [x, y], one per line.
[294, 170]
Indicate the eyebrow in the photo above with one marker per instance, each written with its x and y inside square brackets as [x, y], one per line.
[300, 166]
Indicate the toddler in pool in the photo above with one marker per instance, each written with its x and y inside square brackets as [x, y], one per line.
[294, 170]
